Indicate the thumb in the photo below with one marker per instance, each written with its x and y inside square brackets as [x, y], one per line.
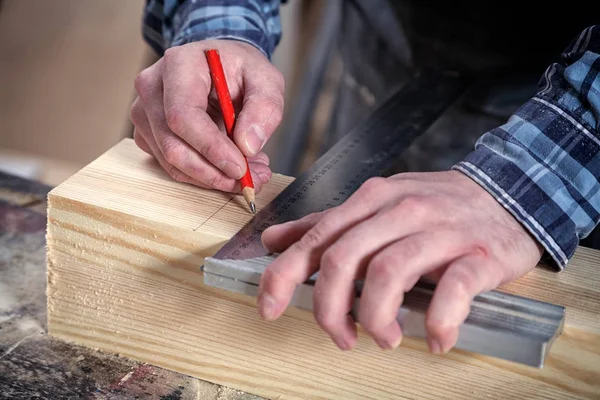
[262, 109]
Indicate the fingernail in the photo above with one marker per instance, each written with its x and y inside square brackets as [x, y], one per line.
[262, 161]
[255, 139]
[230, 169]
[266, 306]
[264, 178]
[396, 343]
[387, 345]
[434, 346]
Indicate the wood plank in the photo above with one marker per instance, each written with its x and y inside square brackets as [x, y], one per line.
[124, 248]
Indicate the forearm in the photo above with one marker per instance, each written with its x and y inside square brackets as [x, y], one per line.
[168, 23]
[543, 165]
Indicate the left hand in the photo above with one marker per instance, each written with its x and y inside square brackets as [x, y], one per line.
[392, 232]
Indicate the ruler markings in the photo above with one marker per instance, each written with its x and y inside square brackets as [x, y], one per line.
[367, 151]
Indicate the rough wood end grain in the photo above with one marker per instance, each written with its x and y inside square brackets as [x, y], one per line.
[125, 244]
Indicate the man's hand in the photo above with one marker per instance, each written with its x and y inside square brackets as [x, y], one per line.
[177, 116]
[391, 232]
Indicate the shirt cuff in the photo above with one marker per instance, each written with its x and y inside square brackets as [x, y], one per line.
[510, 200]
[541, 166]
[243, 23]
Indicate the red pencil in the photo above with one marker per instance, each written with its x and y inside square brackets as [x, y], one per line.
[220, 84]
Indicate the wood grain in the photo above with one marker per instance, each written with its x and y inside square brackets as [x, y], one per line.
[124, 248]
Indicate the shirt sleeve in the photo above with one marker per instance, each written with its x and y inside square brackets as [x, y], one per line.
[543, 164]
[168, 23]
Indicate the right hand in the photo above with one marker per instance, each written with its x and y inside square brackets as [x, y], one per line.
[177, 117]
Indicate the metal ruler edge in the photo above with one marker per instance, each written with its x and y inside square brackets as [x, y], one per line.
[500, 325]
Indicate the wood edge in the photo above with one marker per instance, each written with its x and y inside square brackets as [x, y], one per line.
[67, 181]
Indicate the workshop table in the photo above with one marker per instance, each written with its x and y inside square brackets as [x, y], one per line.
[36, 366]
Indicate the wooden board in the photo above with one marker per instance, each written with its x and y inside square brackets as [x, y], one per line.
[124, 248]
[31, 362]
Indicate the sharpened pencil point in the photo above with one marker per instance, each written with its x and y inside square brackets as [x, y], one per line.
[248, 193]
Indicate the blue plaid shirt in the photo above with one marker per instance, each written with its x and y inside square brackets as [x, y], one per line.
[169, 23]
[543, 164]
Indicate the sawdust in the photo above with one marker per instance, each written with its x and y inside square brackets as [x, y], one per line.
[206, 390]
[209, 391]
[226, 393]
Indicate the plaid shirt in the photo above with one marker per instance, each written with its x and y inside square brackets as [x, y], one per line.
[542, 165]
[169, 23]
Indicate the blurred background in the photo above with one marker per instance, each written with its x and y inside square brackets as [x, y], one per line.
[66, 79]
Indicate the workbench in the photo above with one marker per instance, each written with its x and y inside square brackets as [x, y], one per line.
[123, 276]
[36, 366]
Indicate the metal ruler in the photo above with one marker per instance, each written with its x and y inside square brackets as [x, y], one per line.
[369, 150]
[500, 325]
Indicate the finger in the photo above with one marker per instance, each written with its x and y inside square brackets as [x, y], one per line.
[176, 152]
[346, 260]
[450, 305]
[138, 117]
[140, 142]
[262, 108]
[186, 83]
[261, 157]
[261, 171]
[279, 237]
[172, 171]
[300, 260]
[393, 271]
[145, 139]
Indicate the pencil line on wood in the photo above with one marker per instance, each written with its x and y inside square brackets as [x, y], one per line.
[213, 214]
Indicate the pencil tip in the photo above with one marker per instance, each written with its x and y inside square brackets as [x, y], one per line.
[253, 207]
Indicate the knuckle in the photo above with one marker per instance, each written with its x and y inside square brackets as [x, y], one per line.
[435, 327]
[415, 206]
[463, 277]
[372, 186]
[332, 261]
[209, 149]
[135, 113]
[171, 54]
[316, 236]
[383, 268]
[176, 174]
[173, 152]
[175, 117]
[326, 321]
[311, 239]
[213, 180]
[142, 83]
[138, 138]
[408, 250]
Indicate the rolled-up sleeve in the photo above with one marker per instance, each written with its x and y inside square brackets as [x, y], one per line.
[543, 164]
